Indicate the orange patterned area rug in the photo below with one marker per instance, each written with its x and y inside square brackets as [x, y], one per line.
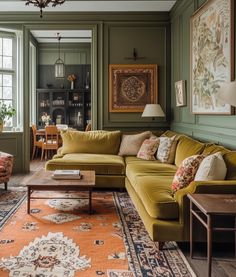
[60, 239]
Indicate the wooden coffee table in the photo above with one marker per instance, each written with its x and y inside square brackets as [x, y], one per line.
[204, 207]
[43, 181]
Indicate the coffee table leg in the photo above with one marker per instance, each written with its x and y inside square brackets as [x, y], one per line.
[28, 200]
[90, 201]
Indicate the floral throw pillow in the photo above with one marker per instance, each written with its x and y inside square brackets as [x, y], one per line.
[186, 172]
[148, 149]
[166, 149]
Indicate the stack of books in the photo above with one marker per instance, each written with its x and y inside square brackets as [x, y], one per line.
[66, 174]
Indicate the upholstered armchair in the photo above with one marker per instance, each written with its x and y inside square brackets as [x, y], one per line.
[6, 163]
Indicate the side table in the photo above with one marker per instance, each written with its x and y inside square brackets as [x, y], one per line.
[209, 205]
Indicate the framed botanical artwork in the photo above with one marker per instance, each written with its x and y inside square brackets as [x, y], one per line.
[131, 87]
[212, 55]
[180, 93]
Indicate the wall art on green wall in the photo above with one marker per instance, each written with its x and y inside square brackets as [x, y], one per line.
[132, 86]
[211, 56]
[180, 93]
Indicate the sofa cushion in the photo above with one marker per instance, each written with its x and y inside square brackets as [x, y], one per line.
[156, 195]
[166, 150]
[211, 148]
[186, 172]
[230, 160]
[211, 168]
[130, 144]
[102, 164]
[187, 147]
[148, 149]
[148, 168]
[94, 142]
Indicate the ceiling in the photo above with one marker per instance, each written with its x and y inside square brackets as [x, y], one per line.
[92, 6]
[83, 36]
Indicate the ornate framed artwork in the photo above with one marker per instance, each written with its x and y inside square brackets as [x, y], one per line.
[212, 55]
[131, 87]
[180, 93]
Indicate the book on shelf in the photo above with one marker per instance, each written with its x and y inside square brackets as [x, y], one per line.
[66, 174]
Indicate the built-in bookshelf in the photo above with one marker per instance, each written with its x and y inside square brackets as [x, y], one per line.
[65, 106]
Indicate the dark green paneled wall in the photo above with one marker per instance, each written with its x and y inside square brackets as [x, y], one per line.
[218, 128]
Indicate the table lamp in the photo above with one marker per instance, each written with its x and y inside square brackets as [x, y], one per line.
[153, 110]
[227, 92]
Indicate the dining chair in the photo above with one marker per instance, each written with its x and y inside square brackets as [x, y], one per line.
[51, 142]
[6, 164]
[88, 127]
[37, 141]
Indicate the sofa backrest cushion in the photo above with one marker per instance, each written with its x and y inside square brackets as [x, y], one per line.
[230, 160]
[96, 142]
[170, 134]
[211, 148]
[187, 147]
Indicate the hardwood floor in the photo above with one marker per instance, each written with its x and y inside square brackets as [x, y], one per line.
[220, 268]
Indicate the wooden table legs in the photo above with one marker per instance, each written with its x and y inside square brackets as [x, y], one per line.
[29, 191]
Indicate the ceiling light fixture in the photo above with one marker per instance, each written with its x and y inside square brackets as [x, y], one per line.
[59, 64]
[43, 4]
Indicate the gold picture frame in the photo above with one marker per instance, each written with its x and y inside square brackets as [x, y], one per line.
[131, 87]
[212, 56]
[180, 93]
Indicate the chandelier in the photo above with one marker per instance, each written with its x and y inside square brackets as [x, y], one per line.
[43, 4]
[59, 64]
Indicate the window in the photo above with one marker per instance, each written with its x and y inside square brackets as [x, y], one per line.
[10, 84]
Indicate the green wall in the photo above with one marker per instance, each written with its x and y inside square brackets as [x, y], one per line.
[217, 128]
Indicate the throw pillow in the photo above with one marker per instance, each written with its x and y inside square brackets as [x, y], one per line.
[211, 168]
[130, 144]
[166, 149]
[186, 172]
[148, 149]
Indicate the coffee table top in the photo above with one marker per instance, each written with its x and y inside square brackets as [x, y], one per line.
[44, 178]
[215, 203]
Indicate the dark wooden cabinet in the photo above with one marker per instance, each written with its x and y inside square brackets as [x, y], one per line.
[65, 106]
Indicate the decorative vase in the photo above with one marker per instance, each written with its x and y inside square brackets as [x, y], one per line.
[72, 85]
[1, 125]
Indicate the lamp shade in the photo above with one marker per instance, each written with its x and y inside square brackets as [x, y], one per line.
[153, 110]
[227, 92]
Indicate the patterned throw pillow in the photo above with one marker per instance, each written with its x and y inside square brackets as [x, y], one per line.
[130, 144]
[213, 167]
[186, 172]
[166, 149]
[148, 149]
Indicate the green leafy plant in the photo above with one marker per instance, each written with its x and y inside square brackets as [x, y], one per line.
[6, 111]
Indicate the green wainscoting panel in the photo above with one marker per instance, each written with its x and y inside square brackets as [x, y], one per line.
[150, 42]
[11, 143]
[175, 43]
[218, 128]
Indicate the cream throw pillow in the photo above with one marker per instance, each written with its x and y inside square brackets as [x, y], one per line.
[212, 167]
[166, 149]
[130, 144]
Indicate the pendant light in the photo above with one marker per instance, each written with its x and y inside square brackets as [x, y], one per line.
[42, 4]
[59, 64]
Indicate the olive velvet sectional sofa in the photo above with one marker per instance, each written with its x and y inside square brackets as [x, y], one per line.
[165, 214]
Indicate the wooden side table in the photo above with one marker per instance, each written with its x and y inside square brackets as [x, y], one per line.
[209, 205]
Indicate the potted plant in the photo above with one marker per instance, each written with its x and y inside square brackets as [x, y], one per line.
[6, 112]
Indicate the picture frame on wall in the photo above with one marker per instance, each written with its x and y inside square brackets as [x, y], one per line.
[180, 93]
[132, 86]
[212, 56]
